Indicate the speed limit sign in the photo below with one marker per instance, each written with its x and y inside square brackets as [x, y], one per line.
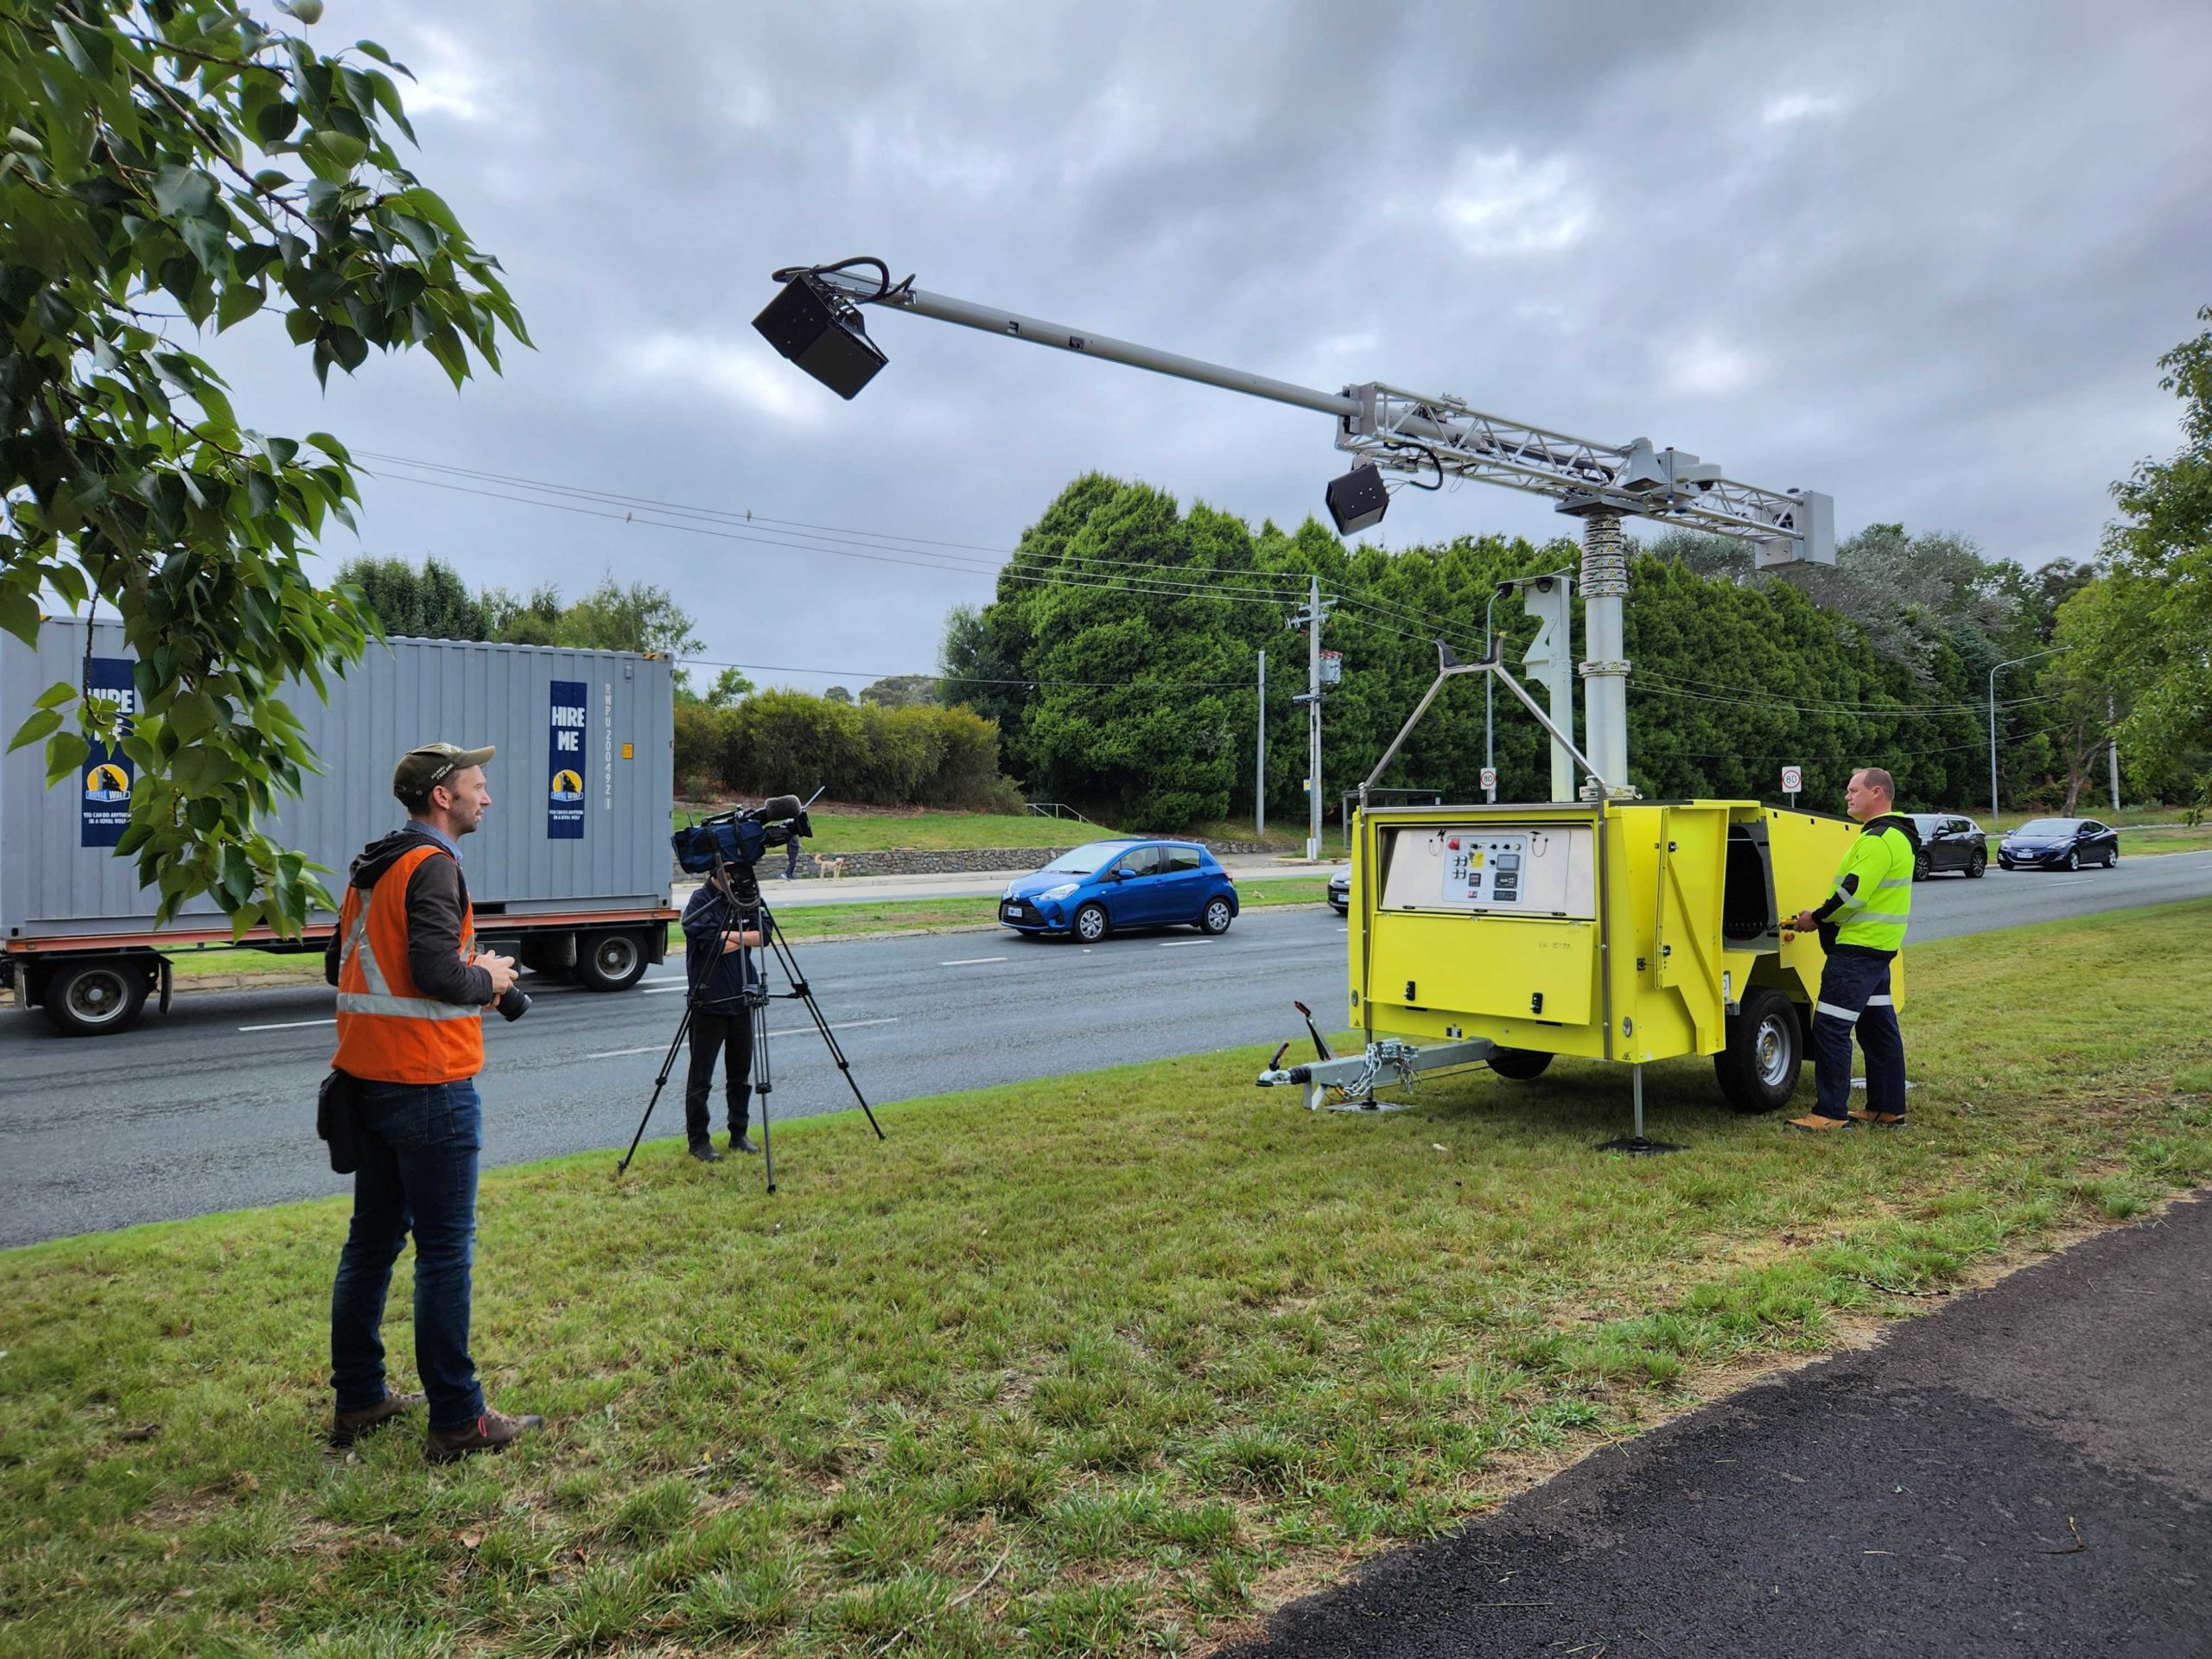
[1793, 780]
[1489, 778]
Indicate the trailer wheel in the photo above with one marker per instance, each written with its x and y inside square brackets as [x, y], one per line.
[1521, 1064]
[92, 999]
[610, 962]
[1765, 1050]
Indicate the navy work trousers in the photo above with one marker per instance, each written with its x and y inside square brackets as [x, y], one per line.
[419, 1149]
[1855, 997]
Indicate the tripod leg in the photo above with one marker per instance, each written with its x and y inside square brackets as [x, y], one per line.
[764, 1085]
[776, 942]
[660, 1082]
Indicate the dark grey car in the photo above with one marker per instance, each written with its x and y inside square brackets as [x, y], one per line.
[1949, 843]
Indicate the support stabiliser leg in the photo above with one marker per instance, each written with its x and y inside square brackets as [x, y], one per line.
[1634, 1146]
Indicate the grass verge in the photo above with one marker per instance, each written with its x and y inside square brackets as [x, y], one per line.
[876, 832]
[1096, 1365]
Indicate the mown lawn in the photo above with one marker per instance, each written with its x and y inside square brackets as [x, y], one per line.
[1100, 1365]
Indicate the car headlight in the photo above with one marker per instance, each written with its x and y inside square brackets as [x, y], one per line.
[1066, 889]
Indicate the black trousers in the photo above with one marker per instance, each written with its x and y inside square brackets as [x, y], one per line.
[730, 1036]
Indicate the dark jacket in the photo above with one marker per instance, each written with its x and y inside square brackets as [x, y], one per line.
[718, 978]
[437, 898]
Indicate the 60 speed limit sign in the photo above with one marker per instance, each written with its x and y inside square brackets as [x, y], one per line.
[1793, 780]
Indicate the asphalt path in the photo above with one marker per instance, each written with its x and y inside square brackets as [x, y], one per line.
[213, 1108]
[2025, 1473]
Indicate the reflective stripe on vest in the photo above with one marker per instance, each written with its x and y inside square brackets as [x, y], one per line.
[1874, 917]
[388, 1032]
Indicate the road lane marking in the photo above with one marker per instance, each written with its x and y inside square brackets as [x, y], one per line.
[293, 1024]
[796, 1031]
[970, 962]
[1169, 944]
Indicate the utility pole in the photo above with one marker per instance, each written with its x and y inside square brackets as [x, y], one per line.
[1489, 708]
[2112, 748]
[1310, 619]
[1259, 765]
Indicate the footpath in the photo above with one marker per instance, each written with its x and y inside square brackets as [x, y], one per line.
[2028, 1472]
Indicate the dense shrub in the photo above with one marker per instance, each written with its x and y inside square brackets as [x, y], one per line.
[779, 741]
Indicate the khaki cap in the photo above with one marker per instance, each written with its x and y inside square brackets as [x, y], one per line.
[421, 770]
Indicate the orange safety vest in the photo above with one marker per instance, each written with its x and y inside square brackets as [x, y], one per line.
[388, 1032]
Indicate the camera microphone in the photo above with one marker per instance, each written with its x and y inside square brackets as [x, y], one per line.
[776, 808]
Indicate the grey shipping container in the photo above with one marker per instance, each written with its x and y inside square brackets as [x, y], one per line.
[571, 867]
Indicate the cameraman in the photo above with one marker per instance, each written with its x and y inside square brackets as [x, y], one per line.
[718, 963]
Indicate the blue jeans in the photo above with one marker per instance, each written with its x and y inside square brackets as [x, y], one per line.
[419, 1146]
[1855, 997]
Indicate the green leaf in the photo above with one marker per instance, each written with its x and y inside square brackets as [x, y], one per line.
[274, 124]
[184, 190]
[40, 724]
[239, 301]
[65, 753]
[54, 695]
[19, 615]
[192, 716]
[302, 325]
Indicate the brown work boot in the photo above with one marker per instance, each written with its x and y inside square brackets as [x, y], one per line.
[347, 1426]
[492, 1431]
[1878, 1120]
[1814, 1122]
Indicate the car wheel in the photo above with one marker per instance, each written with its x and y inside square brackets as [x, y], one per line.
[1763, 1053]
[1520, 1064]
[2073, 860]
[1090, 924]
[92, 999]
[2111, 859]
[1920, 865]
[1216, 918]
[610, 962]
[1976, 865]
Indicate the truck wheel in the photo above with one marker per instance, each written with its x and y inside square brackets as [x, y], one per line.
[92, 998]
[610, 962]
[1765, 1050]
[1521, 1064]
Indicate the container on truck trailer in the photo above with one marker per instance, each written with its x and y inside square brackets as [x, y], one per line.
[569, 871]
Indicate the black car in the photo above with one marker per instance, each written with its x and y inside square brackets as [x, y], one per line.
[2059, 844]
[1949, 843]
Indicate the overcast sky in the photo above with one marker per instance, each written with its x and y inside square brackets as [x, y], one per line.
[1921, 258]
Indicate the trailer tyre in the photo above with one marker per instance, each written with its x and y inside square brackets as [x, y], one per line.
[610, 962]
[92, 999]
[1521, 1064]
[1765, 1050]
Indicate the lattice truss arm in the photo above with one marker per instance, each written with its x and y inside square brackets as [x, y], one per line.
[1408, 432]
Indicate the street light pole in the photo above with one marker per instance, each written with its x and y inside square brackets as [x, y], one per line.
[1993, 673]
[1489, 716]
[1260, 766]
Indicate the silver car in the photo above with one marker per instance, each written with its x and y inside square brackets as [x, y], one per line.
[1340, 890]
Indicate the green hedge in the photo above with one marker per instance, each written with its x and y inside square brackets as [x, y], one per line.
[775, 742]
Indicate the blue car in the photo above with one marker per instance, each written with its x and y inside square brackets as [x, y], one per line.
[1109, 885]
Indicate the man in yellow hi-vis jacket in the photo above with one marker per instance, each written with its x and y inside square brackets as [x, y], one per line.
[1862, 924]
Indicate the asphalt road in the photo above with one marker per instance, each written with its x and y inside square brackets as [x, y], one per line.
[213, 1108]
[2025, 1473]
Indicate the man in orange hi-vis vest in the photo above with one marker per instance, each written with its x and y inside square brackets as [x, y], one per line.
[412, 988]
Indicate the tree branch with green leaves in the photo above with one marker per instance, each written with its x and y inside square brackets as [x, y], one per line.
[180, 153]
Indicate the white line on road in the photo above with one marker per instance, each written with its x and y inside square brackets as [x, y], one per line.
[1170, 945]
[293, 1024]
[796, 1031]
[970, 962]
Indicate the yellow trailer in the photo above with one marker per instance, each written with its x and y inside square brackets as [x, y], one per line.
[1607, 928]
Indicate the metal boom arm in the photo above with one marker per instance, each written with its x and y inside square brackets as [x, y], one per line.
[1409, 432]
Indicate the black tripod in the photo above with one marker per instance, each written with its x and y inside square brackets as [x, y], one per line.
[740, 892]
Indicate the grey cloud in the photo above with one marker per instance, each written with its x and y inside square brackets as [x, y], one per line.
[1935, 288]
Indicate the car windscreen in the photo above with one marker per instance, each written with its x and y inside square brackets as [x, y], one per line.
[1082, 860]
[2046, 827]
